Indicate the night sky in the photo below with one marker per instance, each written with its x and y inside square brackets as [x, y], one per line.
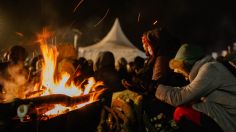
[208, 23]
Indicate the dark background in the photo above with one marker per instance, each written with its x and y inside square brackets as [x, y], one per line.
[208, 23]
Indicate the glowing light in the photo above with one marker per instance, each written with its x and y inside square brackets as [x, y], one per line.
[54, 85]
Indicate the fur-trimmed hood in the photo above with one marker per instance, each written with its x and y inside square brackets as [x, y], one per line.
[185, 58]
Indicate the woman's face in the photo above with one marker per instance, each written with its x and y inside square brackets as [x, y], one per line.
[184, 73]
[147, 46]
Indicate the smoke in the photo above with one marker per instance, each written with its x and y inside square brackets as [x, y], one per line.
[14, 82]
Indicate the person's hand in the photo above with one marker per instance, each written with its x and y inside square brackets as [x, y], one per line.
[152, 88]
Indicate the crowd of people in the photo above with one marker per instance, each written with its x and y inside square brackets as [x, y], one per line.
[180, 84]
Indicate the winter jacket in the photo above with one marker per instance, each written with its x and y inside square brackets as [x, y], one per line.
[212, 91]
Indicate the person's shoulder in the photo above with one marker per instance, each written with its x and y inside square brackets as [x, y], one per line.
[213, 65]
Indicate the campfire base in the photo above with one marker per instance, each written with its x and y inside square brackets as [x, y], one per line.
[84, 119]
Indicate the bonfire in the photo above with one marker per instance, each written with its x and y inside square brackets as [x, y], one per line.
[55, 94]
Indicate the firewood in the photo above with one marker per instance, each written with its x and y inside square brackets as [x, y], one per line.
[34, 93]
[56, 99]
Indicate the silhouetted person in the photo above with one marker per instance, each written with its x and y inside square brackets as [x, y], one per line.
[122, 68]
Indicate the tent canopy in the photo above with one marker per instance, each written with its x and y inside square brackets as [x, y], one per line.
[116, 42]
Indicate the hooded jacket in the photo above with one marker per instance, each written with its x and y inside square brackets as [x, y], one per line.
[212, 91]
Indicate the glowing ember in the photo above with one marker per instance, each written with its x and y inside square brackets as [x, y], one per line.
[59, 109]
[51, 84]
[155, 22]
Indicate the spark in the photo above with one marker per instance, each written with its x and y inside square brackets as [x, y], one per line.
[102, 18]
[155, 22]
[81, 1]
[139, 15]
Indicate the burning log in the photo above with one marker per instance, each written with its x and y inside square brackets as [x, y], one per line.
[57, 99]
[85, 119]
[34, 93]
[40, 105]
[42, 101]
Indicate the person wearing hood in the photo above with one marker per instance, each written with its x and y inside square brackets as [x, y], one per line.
[208, 102]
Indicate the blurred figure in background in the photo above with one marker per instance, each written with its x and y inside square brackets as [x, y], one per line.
[138, 64]
[83, 71]
[13, 74]
[122, 68]
[106, 71]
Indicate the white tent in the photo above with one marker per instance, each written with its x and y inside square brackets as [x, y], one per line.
[116, 42]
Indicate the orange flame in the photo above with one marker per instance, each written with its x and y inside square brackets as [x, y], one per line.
[42, 37]
[60, 86]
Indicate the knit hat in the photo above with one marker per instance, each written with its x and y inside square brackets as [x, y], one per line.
[186, 56]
